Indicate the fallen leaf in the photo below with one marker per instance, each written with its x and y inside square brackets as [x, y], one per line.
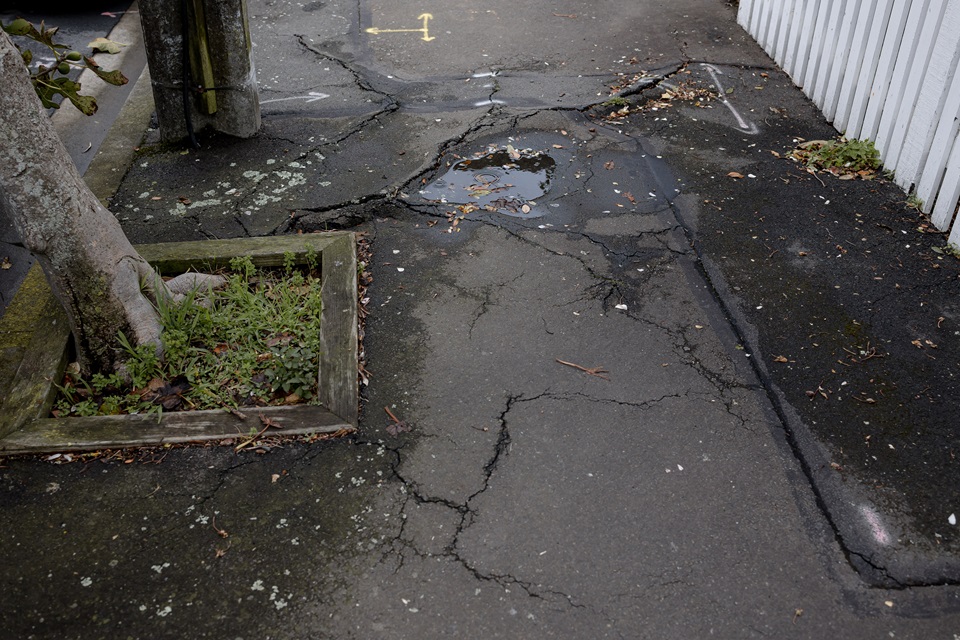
[780, 359]
[269, 422]
[274, 477]
[6, 264]
[608, 165]
[104, 45]
[734, 174]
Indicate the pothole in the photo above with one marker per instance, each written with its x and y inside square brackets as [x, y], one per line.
[500, 180]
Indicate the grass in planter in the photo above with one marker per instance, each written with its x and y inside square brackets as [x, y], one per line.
[255, 342]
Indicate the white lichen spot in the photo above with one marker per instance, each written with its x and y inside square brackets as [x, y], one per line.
[263, 199]
[325, 183]
[204, 203]
[145, 194]
[160, 567]
[297, 180]
[271, 161]
[163, 613]
[86, 582]
[256, 176]
[295, 165]
[282, 524]
[257, 586]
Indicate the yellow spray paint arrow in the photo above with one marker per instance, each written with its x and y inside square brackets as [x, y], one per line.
[426, 17]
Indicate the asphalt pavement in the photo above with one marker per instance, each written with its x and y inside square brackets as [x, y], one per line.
[635, 347]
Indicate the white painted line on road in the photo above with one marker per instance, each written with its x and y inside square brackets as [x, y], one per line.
[313, 96]
[747, 127]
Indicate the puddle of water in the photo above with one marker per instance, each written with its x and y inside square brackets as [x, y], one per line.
[503, 181]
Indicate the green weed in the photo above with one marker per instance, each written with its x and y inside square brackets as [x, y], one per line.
[255, 342]
[616, 102]
[842, 154]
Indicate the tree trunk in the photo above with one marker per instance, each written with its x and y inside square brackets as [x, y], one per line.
[91, 266]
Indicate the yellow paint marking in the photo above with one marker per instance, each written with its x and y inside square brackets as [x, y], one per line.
[426, 17]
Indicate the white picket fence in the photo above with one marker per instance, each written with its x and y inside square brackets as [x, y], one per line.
[884, 70]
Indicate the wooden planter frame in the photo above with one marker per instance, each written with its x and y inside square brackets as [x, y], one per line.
[34, 337]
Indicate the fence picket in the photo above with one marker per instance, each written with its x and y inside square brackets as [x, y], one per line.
[812, 74]
[886, 70]
[854, 65]
[940, 149]
[833, 14]
[931, 101]
[924, 87]
[889, 49]
[868, 70]
[945, 209]
[895, 107]
[838, 64]
[807, 26]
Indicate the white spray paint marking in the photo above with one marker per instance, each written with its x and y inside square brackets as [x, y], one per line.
[879, 531]
[747, 127]
[313, 96]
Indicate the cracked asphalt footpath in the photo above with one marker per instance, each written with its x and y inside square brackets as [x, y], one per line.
[531, 499]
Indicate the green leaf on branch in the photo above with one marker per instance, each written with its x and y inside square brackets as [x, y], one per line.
[48, 87]
[69, 90]
[114, 77]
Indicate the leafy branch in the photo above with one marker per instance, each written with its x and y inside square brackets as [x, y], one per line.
[50, 81]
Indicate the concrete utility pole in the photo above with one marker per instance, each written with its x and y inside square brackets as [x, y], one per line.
[201, 65]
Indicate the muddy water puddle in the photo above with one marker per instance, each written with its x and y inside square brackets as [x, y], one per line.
[500, 180]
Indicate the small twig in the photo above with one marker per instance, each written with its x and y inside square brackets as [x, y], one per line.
[221, 532]
[392, 417]
[152, 492]
[251, 439]
[593, 371]
[234, 412]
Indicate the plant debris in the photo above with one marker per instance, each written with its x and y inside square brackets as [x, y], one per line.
[254, 343]
[846, 159]
[396, 426]
[593, 371]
